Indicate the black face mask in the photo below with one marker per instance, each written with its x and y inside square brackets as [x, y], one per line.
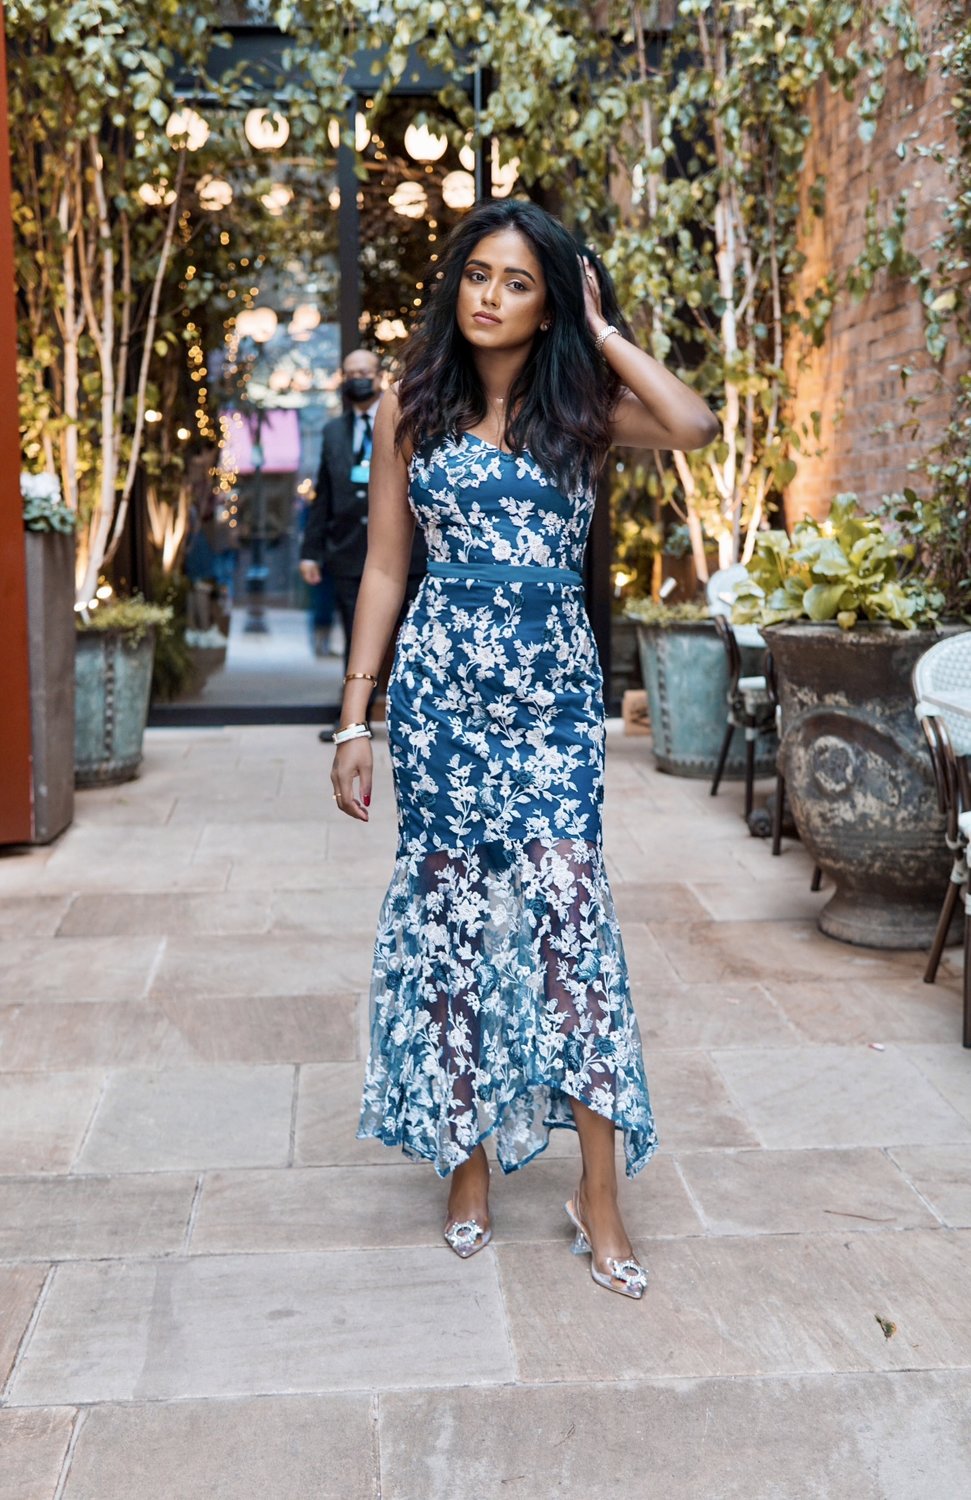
[358, 387]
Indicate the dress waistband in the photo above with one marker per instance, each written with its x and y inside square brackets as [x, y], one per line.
[505, 572]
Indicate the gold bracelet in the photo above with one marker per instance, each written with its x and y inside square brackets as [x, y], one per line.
[341, 727]
[349, 676]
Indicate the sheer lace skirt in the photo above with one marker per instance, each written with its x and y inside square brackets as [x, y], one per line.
[499, 993]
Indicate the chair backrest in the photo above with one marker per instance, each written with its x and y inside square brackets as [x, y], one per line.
[721, 588]
[943, 673]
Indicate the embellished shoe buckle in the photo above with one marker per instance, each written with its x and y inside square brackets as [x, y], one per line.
[463, 1234]
[633, 1275]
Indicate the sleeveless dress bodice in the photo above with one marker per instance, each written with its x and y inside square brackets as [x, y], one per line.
[479, 504]
[499, 985]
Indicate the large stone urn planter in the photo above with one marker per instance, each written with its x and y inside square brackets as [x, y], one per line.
[685, 672]
[859, 778]
[50, 644]
[113, 674]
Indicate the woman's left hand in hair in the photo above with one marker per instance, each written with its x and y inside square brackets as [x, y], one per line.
[591, 297]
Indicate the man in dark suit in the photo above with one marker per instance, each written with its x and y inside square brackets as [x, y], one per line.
[335, 536]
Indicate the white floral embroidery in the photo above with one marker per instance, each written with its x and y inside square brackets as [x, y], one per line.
[499, 986]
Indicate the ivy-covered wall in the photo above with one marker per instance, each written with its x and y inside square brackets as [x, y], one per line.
[867, 425]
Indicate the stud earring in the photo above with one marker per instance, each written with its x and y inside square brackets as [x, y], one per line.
[544, 327]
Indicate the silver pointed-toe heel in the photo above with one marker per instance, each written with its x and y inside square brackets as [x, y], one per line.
[466, 1237]
[630, 1273]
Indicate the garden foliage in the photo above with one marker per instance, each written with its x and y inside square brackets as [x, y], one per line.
[843, 569]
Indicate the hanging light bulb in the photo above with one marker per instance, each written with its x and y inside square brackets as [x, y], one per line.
[214, 193]
[422, 144]
[467, 155]
[257, 323]
[409, 199]
[305, 318]
[276, 200]
[334, 198]
[362, 134]
[390, 328]
[155, 194]
[187, 130]
[458, 189]
[266, 131]
[503, 178]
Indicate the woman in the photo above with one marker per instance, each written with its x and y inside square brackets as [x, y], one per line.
[500, 995]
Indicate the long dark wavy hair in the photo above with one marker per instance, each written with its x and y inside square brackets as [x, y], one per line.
[561, 402]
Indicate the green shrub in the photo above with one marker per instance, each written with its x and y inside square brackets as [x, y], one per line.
[654, 612]
[844, 568]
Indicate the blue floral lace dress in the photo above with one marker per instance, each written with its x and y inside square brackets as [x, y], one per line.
[499, 987]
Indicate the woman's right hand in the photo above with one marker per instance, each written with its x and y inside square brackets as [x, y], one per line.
[353, 759]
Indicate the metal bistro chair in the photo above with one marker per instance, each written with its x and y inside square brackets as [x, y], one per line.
[750, 705]
[941, 682]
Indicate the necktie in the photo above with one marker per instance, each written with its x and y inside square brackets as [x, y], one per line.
[364, 451]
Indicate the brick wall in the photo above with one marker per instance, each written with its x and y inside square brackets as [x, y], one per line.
[850, 379]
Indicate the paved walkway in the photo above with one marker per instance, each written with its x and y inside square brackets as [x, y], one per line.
[209, 1288]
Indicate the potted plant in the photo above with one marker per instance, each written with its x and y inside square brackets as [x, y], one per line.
[846, 615]
[49, 543]
[685, 672]
[115, 656]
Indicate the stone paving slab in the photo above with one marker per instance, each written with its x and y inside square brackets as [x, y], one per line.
[71, 969]
[884, 1010]
[770, 1305]
[735, 901]
[244, 1299]
[942, 1176]
[239, 1325]
[282, 1448]
[219, 913]
[19, 1289]
[71, 1034]
[346, 910]
[785, 1192]
[839, 1096]
[948, 1070]
[726, 952]
[692, 1105]
[265, 1028]
[656, 901]
[33, 1443]
[96, 857]
[44, 1117]
[32, 916]
[220, 1116]
[66, 1218]
[266, 964]
[335, 1208]
[703, 1016]
[875, 1437]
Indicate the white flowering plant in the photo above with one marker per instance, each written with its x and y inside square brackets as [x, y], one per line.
[43, 506]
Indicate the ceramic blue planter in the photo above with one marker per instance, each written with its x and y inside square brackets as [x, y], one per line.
[685, 673]
[113, 680]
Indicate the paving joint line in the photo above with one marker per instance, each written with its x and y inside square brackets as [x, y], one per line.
[39, 1303]
[80, 1418]
[190, 1223]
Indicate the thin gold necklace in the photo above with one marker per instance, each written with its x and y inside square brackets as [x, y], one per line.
[500, 417]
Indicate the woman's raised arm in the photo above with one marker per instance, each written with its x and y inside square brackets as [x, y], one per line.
[657, 410]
